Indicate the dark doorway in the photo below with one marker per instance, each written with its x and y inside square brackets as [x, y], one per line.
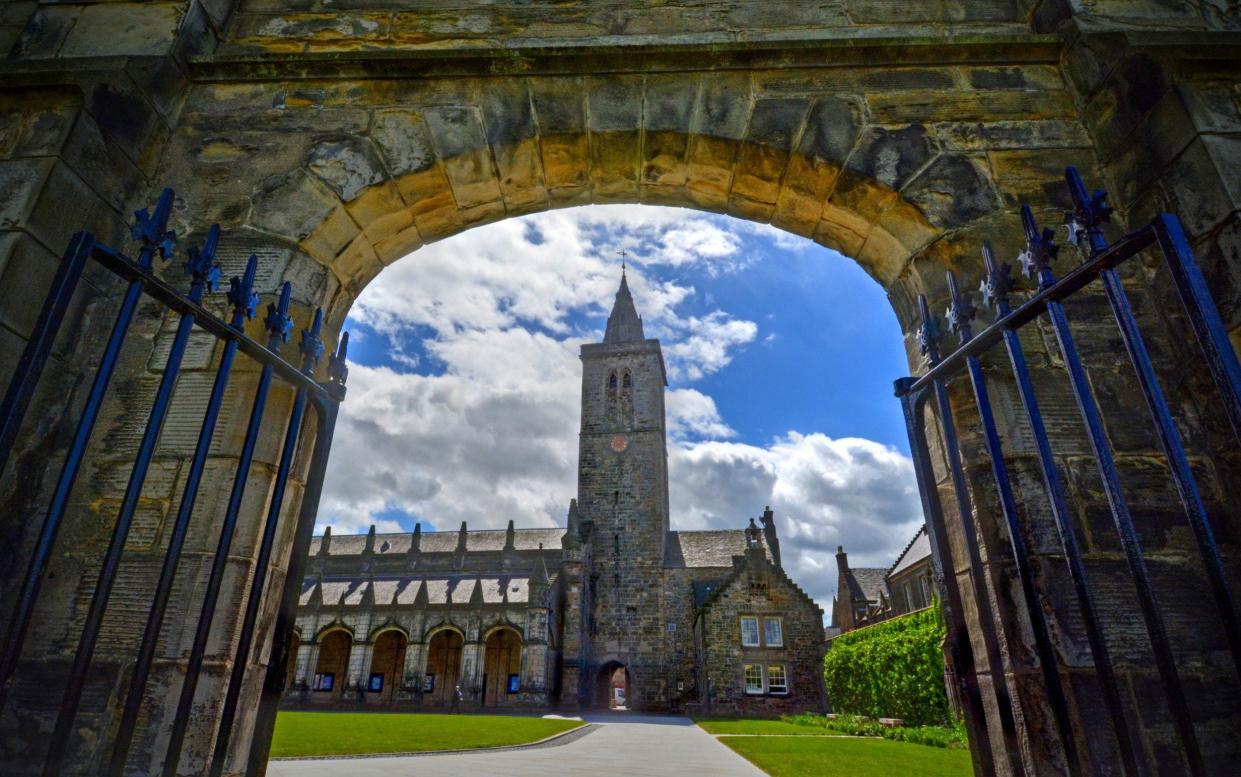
[503, 665]
[612, 689]
[443, 667]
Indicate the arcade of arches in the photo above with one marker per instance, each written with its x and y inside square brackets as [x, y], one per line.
[333, 142]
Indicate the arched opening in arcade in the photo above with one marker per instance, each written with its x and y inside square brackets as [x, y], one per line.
[331, 673]
[441, 681]
[502, 673]
[387, 666]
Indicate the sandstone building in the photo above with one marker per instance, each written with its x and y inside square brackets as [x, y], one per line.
[616, 607]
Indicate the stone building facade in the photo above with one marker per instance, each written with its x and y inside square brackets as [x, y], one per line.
[866, 595]
[691, 620]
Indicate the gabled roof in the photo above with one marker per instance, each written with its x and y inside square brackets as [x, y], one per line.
[713, 590]
[867, 583]
[919, 548]
[705, 548]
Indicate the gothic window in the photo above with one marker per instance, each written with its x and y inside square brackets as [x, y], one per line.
[773, 634]
[754, 678]
[612, 383]
[926, 590]
[749, 632]
[777, 680]
[627, 381]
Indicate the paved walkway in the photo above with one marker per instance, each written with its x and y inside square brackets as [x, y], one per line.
[619, 746]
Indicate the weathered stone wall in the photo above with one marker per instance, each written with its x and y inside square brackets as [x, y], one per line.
[759, 588]
[334, 147]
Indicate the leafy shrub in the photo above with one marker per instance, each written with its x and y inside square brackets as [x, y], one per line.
[894, 669]
[951, 736]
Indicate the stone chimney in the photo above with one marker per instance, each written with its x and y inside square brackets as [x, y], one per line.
[769, 533]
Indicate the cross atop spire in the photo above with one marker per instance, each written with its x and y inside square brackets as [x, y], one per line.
[624, 324]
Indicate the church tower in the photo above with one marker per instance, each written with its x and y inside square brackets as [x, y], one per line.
[623, 498]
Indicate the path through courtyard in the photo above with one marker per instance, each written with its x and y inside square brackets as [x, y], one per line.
[618, 746]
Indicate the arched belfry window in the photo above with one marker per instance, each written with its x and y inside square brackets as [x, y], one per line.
[627, 382]
[612, 382]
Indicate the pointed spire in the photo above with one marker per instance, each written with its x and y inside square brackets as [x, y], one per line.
[461, 536]
[510, 536]
[370, 540]
[624, 324]
[325, 544]
[415, 541]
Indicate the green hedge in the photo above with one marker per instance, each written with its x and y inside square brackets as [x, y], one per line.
[893, 669]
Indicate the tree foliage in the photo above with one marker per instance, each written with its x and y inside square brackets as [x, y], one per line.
[894, 669]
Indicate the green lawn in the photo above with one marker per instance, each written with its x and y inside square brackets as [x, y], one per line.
[828, 756]
[349, 733]
[744, 726]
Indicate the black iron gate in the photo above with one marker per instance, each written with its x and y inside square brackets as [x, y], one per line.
[151, 232]
[1084, 229]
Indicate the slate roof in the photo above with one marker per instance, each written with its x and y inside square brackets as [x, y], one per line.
[442, 541]
[919, 548]
[867, 583]
[457, 589]
[705, 548]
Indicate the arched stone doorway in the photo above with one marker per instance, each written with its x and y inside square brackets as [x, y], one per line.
[443, 668]
[502, 667]
[387, 666]
[336, 172]
[613, 690]
[332, 669]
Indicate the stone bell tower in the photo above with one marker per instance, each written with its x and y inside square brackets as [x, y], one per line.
[623, 494]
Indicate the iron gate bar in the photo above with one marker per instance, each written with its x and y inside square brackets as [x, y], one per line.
[1203, 315]
[34, 356]
[202, 270]
[960, 313]
[960, 648]
[286, 616]
[278, 325]
[1032, 308]
[151, 230]
[312, 349]
[995, 289]
[1091, 211]
[244, 300]
[986, 622]
[1037, 263]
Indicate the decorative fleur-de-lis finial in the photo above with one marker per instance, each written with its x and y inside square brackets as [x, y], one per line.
[928, 331]
[278, 324]
[312, 344]
[961, 312]
[1041, 250]
[201, 267]
[997, 283]
[1090, 212]
[241, 293]
[151, 229]
[337, 370]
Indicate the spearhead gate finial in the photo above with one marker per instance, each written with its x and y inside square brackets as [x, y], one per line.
[928, 332]
[312, 344]
[1090, 212]
[201, 267]
[337, 370]
[961, 312]
[151, 230]
[1041, 250]
[241, 294]
[997, 284]
[278, 323]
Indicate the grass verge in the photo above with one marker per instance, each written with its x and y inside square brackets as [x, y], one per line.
[356, 733]
[837, 756]
[744, 726]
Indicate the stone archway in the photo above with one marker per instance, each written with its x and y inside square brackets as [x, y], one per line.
[387, 666]
[612, 687]
[443, 673]
[502, 667]
[335, 143]
[331, 674]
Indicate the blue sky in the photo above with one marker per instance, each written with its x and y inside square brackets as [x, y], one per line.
[464, 382]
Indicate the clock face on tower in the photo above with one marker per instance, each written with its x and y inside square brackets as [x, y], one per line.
[619, 443]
